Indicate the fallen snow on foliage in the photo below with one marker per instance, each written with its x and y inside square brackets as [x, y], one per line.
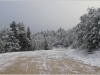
[82, 55]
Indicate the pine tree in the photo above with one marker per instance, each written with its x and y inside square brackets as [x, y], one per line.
[2, 46]
[29, 33]
[14, 28]
[88, 30]
[45, 45]
[12, 43]
[31, 46]
[22, 36]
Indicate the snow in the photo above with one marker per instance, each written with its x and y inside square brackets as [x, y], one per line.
[99, 22]
[7, 59]
[83, 56]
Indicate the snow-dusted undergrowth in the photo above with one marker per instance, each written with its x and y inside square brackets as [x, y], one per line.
[82, 55]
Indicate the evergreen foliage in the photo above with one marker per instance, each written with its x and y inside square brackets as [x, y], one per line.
[46, 45]
[13, 27]
[22, 37]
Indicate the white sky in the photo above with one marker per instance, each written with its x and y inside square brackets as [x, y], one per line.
[43, 15]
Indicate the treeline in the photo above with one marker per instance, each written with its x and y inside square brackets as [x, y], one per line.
[53, 38]
[15, 38]
[86, 35]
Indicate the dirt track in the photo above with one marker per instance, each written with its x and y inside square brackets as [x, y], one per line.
[44, 62]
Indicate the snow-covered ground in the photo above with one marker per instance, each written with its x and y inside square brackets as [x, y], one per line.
[56, 61]
[83, 56]
[7, 59]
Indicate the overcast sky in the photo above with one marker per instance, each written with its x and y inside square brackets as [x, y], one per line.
[43, 15]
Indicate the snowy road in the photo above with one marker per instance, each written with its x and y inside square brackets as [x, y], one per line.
[43, 62]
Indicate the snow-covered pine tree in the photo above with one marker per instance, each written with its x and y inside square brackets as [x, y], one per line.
[29, 33]
[2, 46]
[12, 43]
[13, 27]
[49, 42]
[22, 36]
[46, 45]
[34, 46]
[30, 39]
[94, 36]
[88, 30]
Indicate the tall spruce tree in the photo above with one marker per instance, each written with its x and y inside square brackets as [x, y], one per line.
[46, 45]
[13, 27]
[13, 42]
[30, 47]
[29, 33]
[22, 36]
